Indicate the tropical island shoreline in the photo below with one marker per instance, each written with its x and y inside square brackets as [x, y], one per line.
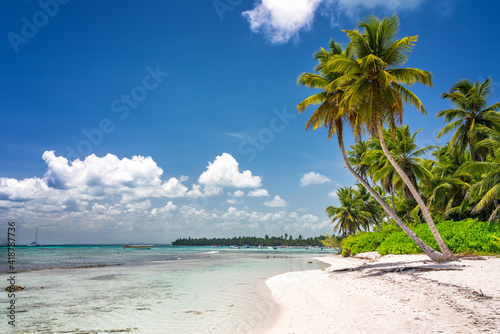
[368, 293]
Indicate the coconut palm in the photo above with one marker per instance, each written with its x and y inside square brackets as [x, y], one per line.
[369, 205]
[373, 85]
[357, 159]
[487, 190]
[447, 189]
[351, 215]
[469, 114]
[331, 116]
[404, 151]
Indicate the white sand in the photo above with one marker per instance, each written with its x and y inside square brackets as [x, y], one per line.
[375, 297]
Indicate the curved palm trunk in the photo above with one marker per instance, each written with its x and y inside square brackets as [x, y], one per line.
[425, 212]
[430, 252]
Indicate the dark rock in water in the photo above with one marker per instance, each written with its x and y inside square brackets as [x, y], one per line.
[12, 288]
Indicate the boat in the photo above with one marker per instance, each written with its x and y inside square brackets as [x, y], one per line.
[34, 243]
[139, 246]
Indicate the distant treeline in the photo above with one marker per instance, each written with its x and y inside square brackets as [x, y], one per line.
[251, 241]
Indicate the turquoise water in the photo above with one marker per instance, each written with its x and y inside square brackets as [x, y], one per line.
[108, 289]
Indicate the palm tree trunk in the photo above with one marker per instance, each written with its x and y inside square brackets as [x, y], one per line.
[495, 201]
[392, 198]
[425, 212]
[430, 252]
[378, 209]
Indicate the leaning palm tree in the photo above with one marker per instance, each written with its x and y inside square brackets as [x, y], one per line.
[332, 117]
[373, 84]
[470, 113]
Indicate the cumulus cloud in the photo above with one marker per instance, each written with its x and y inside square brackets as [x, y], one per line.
[95, 185]
[170, 207]
[123, 197]
[95, 177]
[258, 193]
[281, 20]
[238, 193]
[224, 173]
[333, 193]
[313, 178]
[276, 202]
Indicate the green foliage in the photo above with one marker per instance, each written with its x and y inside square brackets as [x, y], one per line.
[462, 236]
[332, 241]
[366, 241]
[251, 241]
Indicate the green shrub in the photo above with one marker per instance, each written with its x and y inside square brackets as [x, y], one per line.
[462, 236]
[366, 241]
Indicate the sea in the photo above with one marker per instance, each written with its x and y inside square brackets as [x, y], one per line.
[165, 289]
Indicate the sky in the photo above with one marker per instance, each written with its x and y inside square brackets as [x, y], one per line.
[127, 121]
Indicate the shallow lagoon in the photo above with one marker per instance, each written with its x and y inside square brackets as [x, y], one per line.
[160, 290]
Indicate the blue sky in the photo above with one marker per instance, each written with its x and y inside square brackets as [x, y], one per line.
[127, 121]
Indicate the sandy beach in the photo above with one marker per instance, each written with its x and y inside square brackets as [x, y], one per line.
[390, 294]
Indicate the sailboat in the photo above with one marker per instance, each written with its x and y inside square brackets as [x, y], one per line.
[34, 243]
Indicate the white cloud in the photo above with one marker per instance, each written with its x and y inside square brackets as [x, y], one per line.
[233, 201]
[333, 193]
[124, 198]
[170, 207]
[96, 185]
[234, 214]
[309, 218]
[281, 20]
[224, 172]
[276, 202]
[258, 193]
[95, 177]
[313, 178]
[238, 193]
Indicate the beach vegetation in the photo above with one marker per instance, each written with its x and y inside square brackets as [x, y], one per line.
[365, 87]
[251, 241]
[468, 235]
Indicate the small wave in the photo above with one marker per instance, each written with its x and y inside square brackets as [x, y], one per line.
[211, 252]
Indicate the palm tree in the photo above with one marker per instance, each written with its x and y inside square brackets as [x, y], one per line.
[330, 115]
[357, 159]
[368, 205]
[373, 85]
[469, 114]
[404, 151]
[351, 215]
[447, 188]
[487, 190]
